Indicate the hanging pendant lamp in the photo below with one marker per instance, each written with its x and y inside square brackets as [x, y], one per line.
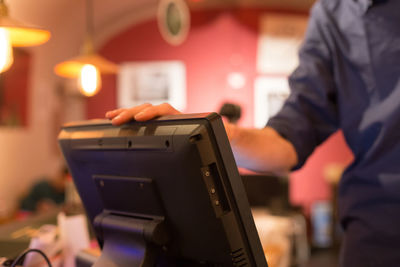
[18, 34]
[89, 66]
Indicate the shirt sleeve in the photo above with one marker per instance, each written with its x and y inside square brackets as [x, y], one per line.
[310, 114]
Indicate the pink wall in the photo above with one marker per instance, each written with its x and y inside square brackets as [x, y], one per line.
[215, 39]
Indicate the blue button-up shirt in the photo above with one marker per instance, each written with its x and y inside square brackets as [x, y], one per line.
[349, 78]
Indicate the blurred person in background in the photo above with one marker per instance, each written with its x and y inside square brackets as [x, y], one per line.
[46, 194]
[232, 112]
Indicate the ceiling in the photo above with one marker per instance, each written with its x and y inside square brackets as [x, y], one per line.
[292, 5]
[51, 13]
[66, 18]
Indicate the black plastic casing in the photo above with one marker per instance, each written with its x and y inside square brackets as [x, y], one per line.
[179, 169]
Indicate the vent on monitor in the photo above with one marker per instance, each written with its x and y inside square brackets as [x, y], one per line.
[239, 258]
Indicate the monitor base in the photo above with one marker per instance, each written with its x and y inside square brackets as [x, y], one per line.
[129, 241]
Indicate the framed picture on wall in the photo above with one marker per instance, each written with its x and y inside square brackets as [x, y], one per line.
[154, 82]
[269, 95]
[173, 18]
[279, 40]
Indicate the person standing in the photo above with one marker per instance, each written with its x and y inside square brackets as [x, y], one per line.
[348, 78]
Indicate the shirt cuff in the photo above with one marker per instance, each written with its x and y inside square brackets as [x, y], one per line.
[287, 132]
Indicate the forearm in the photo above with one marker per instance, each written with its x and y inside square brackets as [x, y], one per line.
[262, 150]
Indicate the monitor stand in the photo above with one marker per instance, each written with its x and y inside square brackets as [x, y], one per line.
[132, 232]
[129, 241]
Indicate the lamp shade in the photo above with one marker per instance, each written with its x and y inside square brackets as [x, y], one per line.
[22, 34]
[72, 68]
[89, 66]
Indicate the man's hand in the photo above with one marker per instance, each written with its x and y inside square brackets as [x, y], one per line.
[147, 111]
[143, 112]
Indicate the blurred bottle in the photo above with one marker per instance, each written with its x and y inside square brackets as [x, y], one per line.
[73, 203]
[321, 220]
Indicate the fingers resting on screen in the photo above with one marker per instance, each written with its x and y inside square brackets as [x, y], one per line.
[140, 113]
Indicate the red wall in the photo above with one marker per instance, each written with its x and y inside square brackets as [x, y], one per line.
[215, 37]
[14, 91]
[308, 184]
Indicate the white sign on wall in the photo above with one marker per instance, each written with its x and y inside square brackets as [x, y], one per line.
[154, 82]
[279, 41]
[269, 96]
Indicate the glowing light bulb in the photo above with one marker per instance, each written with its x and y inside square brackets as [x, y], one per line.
[6, 52]
[89, 81]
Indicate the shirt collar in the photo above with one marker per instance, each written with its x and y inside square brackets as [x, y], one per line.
[364, 5]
